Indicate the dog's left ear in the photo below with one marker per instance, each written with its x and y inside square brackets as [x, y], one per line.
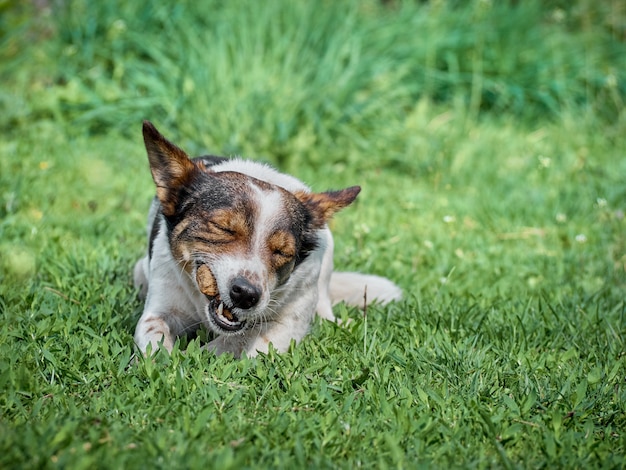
[170, 166]
[322, 206]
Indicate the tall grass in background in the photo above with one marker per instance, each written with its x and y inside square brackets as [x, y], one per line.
[331, 70]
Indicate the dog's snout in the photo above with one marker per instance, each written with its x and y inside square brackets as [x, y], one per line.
[244, 294]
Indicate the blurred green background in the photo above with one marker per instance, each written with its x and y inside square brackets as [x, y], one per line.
[490, 140]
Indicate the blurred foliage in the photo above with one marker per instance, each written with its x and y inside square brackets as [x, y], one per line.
[110, 64]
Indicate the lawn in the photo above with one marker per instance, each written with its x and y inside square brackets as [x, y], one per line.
[490, 142]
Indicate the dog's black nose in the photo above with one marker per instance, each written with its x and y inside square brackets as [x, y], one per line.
[244, 294]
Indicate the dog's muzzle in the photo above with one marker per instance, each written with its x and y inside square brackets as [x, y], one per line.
[223, 318]
[221, 315]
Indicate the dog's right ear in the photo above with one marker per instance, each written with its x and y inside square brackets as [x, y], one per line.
[322, 206]
[170, 166]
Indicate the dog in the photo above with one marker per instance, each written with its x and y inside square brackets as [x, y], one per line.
[242, 249]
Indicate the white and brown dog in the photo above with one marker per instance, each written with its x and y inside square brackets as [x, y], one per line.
[242, 249]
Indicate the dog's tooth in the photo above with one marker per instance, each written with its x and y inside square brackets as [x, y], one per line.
[220, 308]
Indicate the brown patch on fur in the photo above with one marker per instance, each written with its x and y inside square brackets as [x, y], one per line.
[158, 325]
[282, 246]
[153, 319]
[170, 166]
[227, 224]
[181, 251]
[282, 254]
[206, 281]
[221, 231]
[323, 206]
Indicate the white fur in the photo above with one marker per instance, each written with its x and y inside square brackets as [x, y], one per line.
[174, 306]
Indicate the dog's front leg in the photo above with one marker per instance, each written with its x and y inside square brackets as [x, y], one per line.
[153, 330]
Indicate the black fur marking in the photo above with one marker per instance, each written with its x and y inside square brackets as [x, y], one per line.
[154, 230]
[210, 160]
[309, 244]
[308, 235]
[206, 192]
[188, 196]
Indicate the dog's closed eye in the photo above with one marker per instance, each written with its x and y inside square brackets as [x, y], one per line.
[282, 245]
[282, 253]
[212, 234]
[222, 229]
[223, 226]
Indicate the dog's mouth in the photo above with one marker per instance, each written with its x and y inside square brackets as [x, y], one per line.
[223, 317]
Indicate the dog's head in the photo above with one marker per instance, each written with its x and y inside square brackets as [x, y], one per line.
[238, 238]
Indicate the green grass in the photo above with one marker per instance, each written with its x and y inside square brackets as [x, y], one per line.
[489, 141]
